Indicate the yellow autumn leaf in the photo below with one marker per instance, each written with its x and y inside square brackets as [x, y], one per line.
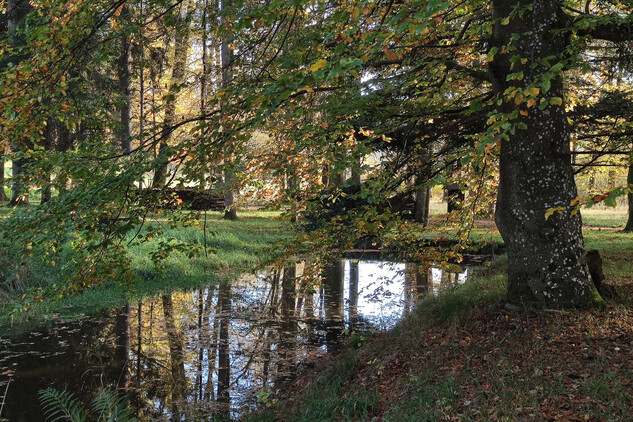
[556, 101]
[534, 91]
[319, 64]
[531, 102]
[355, 13]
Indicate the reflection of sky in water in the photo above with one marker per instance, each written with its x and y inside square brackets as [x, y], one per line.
[380, 292]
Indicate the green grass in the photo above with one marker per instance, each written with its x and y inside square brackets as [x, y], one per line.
[233, 247]
[605, 216]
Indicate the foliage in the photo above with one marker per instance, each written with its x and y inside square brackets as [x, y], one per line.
[402, 93]
[107, 406]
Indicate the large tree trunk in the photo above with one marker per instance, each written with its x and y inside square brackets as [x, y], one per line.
[546, 257]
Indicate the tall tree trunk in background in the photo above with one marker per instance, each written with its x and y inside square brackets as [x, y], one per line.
[230, 209]
[546, 257]
[629, 196]
[123, 73]
[64, 144]
[422, 191]
[49, 134]
[181, 51]
[20, 193]
[3, 195]
[16, 11]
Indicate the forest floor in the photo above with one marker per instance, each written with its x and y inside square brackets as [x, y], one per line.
[463, 356]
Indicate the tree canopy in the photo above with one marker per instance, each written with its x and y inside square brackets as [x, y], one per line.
[288, 100]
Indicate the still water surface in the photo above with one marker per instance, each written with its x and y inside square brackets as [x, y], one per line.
[209, 354]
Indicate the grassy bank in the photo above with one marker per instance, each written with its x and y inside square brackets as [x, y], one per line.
[232, 248]
[463, 356]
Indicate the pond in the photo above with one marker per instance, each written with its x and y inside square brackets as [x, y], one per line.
[211, 354]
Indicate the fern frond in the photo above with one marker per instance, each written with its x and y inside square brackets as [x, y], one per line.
[110, 407]
[61, 406]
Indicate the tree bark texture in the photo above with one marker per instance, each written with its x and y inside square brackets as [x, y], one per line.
[546, 257]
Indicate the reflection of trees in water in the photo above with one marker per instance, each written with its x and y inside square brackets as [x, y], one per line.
[203, 355]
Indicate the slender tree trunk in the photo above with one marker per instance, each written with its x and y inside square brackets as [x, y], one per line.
[230, 208]
[20, 194]
[181, 51]
[423, 192]
[546, 257]
[48, 145]
[3, 195]
[629, 196]
[124, 71]
[16, 11]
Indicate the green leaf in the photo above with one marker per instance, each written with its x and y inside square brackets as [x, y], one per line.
[475, 105]
[546, 86]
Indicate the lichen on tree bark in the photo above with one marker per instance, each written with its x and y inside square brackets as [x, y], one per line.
[546, 264]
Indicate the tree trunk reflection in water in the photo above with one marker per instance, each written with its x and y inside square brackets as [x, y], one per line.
[353, 292]
[334, 298]
[287, 326]
[179, 381]
[208, 343]
[201, 341]
[136, 402]
[422, 283]
[122, 330]
[212, 350]
[224, 358]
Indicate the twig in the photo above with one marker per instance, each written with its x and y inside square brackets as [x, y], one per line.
[4, 398]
